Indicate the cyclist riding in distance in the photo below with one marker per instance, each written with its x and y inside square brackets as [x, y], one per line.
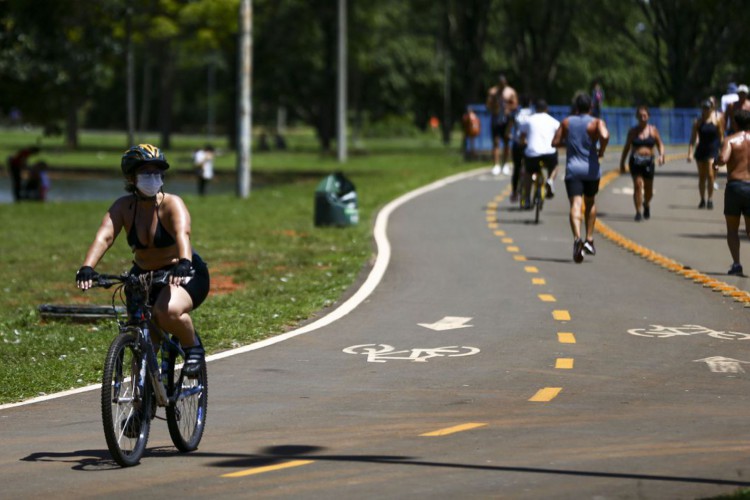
[537, 131]
[157, 225]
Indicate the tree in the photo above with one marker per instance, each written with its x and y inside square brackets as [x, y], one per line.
[54, 58]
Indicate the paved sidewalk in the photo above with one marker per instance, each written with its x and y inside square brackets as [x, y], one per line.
[677, 229]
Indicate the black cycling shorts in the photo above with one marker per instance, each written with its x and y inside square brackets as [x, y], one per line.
[581, 187]
[535, 163]
[737, 199]
[197, 287]
[642, 166]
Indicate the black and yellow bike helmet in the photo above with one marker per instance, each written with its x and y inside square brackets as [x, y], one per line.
[140, 155]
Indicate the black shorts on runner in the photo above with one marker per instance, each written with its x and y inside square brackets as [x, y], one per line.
[580, 187]
[642, 166]
[535, 163]
[737, 199]
[499, 129]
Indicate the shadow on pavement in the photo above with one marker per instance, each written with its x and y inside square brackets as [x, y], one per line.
[279, 454]
[93, 460]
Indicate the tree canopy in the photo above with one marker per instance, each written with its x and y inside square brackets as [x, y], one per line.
[63, 62]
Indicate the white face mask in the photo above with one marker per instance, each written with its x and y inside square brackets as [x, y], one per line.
[149, 184]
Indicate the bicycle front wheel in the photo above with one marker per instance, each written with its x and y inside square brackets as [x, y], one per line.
[186, 412]
[126, 401]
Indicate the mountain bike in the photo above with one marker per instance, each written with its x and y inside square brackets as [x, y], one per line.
[135, 382]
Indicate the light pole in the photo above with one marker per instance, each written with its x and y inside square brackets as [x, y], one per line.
[244, 111]
[341, 84]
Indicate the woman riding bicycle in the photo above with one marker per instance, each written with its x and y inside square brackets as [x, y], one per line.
[157, 225]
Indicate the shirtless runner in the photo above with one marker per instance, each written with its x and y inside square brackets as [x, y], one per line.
[502, 102]
[735, 154]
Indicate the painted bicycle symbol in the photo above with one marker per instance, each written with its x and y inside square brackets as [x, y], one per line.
[662, 332]
[380, 353]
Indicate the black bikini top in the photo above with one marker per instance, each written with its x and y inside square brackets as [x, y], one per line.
[162, 238]
[649, 141]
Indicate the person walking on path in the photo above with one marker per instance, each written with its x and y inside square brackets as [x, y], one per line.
[742, 102]
[735, 154]
[708, 131]
[641, 140]
[502, 102]
[581, 132]
[204, 166]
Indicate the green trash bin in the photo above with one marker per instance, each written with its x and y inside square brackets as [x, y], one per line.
[336, 202]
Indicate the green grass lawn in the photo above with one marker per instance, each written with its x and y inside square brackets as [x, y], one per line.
[270, 267]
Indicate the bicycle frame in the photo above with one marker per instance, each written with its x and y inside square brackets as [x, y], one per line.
[139, 323]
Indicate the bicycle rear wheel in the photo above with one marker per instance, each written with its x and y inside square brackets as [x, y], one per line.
[186, 415]
[126, 401]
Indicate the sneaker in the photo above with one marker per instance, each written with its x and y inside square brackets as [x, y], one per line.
[716, 186]
[550, 190]
[646, 212]
[638, 217]
[194, 357]
[496, 170]
[702, 204]
[578, 251]
[507, 169]
[735, 270]
[710, 205]
[589, 248]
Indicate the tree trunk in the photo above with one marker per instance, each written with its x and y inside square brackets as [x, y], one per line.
[166, 93]
[71, 126]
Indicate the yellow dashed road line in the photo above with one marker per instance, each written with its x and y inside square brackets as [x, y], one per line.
[566, 338]
[268, 468]
[545, 297]
[454, 429]
[561, 315]
[666, 262]
[546, 394]
[564, 363]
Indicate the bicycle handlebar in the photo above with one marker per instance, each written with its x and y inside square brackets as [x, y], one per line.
[157, 278]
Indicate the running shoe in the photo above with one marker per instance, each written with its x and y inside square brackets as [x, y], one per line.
[710, 205]
[638, 217]
[589, 248]
[506, 169]
[646, 212]
[702, 204]
[578, 251]
[735, 270]
[496, 170]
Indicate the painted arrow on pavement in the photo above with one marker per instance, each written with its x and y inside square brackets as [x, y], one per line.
[448, 323]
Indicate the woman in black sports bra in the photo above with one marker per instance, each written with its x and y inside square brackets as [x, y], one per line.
[641, 139]
[157, 225]
[708, 130]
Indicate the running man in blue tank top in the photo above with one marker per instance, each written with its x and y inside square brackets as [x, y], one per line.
[581, 133]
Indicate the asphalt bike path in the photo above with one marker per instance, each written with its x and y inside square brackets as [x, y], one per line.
[485, 364]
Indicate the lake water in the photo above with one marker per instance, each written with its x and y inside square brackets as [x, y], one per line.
[79, 188]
